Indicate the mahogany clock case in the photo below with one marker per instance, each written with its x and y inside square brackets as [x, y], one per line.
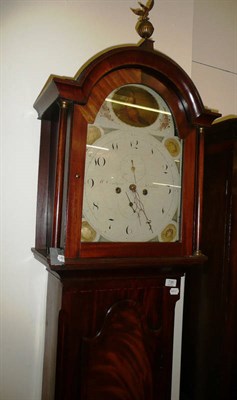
[110, 305]
[66, 106]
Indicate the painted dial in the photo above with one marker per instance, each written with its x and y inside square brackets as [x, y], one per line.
[131, 189]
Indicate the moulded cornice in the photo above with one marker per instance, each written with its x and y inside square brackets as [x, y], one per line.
[142, 56]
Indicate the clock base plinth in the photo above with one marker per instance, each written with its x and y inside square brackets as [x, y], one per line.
[109, 335]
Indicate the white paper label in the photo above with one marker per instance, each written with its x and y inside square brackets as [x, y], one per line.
[61, 258]
[174, 291]
[171, 282]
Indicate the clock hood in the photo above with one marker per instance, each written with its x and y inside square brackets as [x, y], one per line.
[142, 56]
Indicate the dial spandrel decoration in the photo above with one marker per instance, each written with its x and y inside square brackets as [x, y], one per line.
[133, 170]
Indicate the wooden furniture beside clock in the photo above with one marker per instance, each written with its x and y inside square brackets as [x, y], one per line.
[209, 365]
[110, 304]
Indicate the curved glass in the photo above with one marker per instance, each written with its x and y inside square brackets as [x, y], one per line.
[133, 172]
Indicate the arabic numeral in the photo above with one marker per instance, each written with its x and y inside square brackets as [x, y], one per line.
[128, 230]
[115, 146]
[91, 182]
[95, 206]
[100, 161]
[134, 144]
[111, 220]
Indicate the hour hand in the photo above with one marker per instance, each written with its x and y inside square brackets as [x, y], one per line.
[130, 203]
[133, 169]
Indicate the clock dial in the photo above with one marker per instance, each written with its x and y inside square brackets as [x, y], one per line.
[132, 186]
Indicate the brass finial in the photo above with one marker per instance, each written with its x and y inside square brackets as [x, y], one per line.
[144, 27]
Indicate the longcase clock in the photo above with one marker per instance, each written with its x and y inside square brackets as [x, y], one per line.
[118, 220]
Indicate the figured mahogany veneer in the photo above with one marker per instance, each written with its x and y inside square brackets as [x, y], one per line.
[110, 306]
[115, 336]
[66, 106]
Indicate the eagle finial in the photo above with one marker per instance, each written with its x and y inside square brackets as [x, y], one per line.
[144, 27]
[144, 10]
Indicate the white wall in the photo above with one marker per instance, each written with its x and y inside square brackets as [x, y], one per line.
[39, 38]
[214, 68]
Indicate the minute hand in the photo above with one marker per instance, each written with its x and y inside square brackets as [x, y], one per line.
[140, 209]
[139, 206]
